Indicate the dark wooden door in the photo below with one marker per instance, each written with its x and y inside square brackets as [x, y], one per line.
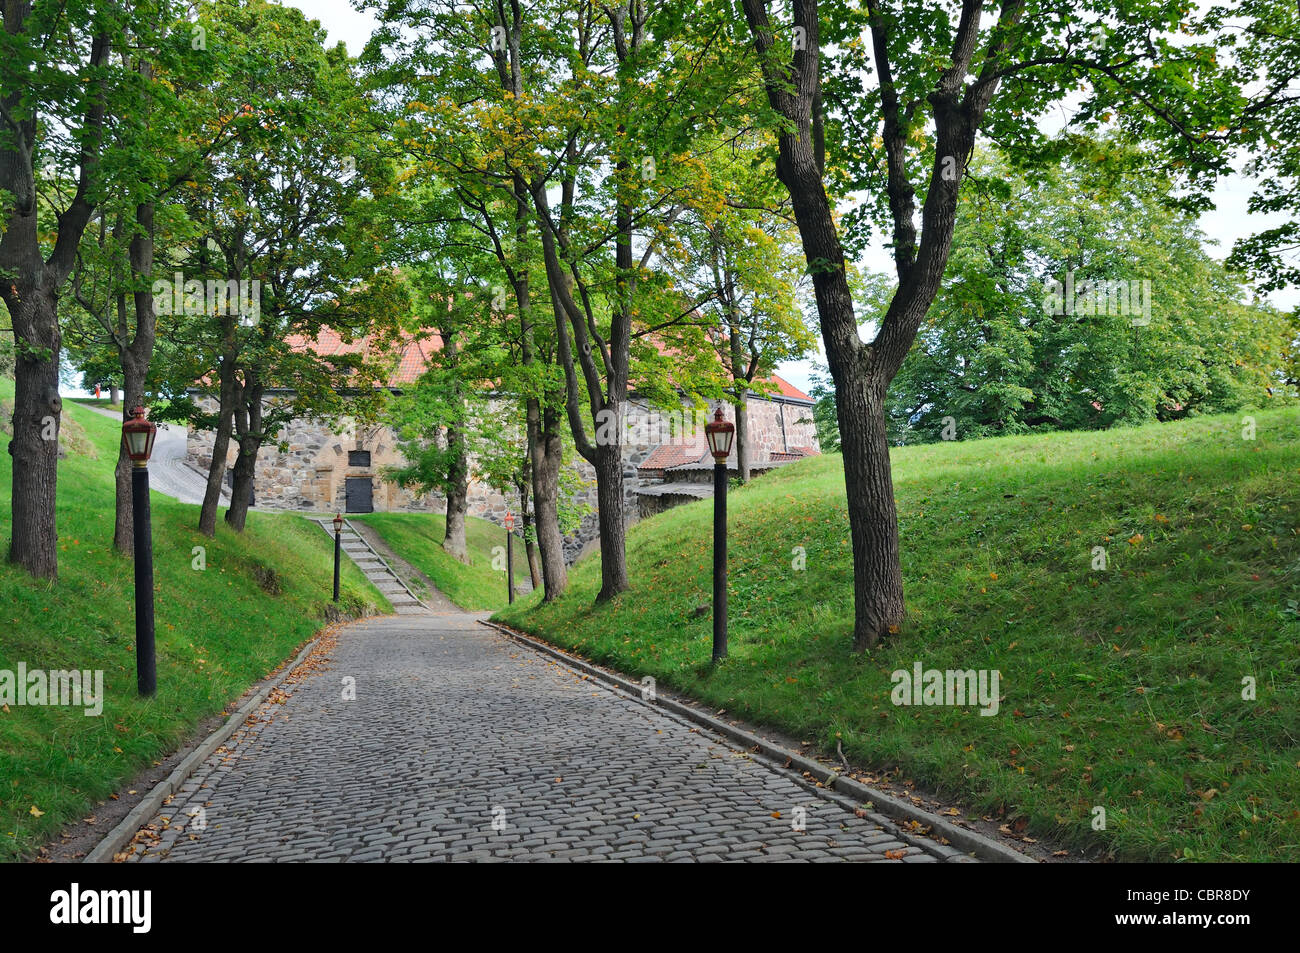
[358, 494]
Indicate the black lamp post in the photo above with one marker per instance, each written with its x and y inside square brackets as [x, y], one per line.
[510, 558]
[137, 441]
[338, 548]
[719, 433]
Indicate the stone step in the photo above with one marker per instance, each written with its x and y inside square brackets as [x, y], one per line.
[370, 565]
[409, 610]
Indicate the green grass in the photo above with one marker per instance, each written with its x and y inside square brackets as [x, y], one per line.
[219, 630]
[417, 538]
[1121, 688]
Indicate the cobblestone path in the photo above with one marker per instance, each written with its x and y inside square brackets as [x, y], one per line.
[461, 744]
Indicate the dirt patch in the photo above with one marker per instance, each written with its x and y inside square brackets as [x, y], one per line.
[268, 579]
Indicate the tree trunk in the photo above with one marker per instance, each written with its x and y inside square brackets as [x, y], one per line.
[613, 532]
[29, 288]
[220, 448]
[453, 540]
[35, 443]
[113, 395]
[526, 514]
[241, 489]
[547, 452]
[248, 426]
[742, 435]
[135, 359]
[878, 606]
[530, 550]
[604, 454]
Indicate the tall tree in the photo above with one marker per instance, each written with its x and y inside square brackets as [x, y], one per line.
[623, 127]
[740, 260]
[289, 220]
[426, 58]
[944, 72]
[160, 148]
[57, 77]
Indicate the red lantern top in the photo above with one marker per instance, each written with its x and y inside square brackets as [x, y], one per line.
[138, 436]
[510, 521]
[338, 522]
[719, 433]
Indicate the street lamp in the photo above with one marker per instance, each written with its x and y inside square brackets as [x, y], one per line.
[719, 433]
[510, 557]
[137, 442]
[338, 547]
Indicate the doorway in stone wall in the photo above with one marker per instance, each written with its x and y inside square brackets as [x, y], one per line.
[359, 495]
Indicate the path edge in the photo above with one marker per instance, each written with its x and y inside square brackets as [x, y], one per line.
[895, 808]
[152, 802]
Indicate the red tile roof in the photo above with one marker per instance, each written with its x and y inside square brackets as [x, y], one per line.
[674, 455]
[415, 350]
[410, 355]
[787, 389]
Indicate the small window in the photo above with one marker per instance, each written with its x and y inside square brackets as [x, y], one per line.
[358, 458]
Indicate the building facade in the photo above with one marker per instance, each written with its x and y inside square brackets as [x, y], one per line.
[326, 467]
[315, 467]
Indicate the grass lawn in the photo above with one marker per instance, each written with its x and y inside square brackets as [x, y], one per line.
[417, 538]
[1121, 688]
[261, 595]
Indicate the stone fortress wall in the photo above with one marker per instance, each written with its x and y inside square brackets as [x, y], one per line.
[309, 467]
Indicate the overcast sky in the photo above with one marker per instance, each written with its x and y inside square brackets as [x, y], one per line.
[1228, 222]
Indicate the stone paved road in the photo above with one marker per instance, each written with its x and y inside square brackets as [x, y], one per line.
[463, 745]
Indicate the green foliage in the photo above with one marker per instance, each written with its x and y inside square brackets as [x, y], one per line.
[737, 262]
[1263, 37]
[293, 204]
[824, 413]
[999, 354]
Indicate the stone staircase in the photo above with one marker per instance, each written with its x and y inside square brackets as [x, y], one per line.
[376, 569]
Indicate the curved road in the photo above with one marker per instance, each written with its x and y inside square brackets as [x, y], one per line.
[169, 474]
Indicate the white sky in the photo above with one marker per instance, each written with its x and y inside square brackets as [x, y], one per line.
[1228, 222]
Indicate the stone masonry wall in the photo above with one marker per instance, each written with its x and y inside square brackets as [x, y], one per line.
[308, 467]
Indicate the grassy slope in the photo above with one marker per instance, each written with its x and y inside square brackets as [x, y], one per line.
[1120, 689]
[218, 631]
[417, 538]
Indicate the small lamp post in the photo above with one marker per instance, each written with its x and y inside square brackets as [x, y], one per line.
[138, 435]
[510, 557]
[719, 433]
[338, 549]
